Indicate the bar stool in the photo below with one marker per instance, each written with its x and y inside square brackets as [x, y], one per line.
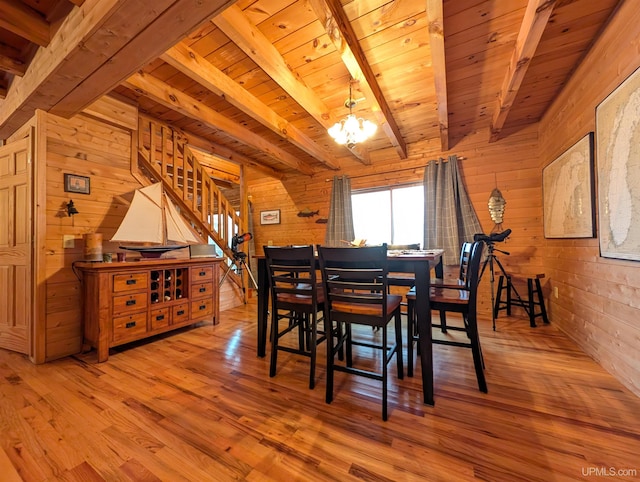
[534, 297]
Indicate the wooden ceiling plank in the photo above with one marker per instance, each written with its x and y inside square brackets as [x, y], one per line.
[190, 107]
[533, 25]
[439, 67]
[252, 41]
[25, 22]
[341, 33]
[172, 24]
[199, 69]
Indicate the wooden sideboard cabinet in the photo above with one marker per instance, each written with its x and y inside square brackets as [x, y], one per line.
[128, 301]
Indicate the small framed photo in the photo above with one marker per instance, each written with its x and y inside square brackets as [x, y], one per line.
[75, 183]
[270, 217]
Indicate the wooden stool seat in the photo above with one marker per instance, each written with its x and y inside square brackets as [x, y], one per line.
[533, 300]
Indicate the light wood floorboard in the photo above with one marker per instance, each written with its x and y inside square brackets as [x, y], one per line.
[198, 405]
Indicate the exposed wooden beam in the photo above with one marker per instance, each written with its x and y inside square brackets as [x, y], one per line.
[47, 78]
[166, 95]
[10, 61]
[77, 3]
[202, 71]
[96, 47]
[162, 23]
[25, 22]
[341, 33]
[533, 25]
[439, 67]
[251, 40]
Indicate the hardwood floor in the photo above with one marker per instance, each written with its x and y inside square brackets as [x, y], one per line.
[199, 405]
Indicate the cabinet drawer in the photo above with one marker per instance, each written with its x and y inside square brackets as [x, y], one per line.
[180, 313]
[201, 308]
[160, 318]
[201, 290]
[129, 282]
[129, 327]
[201, 273]
[128, 303]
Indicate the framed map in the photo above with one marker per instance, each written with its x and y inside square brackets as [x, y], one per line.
[567, 191]
[618, 154]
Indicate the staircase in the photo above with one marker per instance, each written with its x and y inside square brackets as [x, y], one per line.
[163, 155]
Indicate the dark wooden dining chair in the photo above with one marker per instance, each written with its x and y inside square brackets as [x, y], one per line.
[355, 283]
[457, 299]
[297, 297]
[458, 283]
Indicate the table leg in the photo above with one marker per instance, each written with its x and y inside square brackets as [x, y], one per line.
[423, 314]
[263, 306]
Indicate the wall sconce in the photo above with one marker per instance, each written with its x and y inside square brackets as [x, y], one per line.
[71, 209]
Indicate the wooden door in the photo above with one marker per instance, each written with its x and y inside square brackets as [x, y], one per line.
[15, 246]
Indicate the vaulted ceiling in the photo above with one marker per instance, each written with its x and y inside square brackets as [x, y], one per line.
[260, 81]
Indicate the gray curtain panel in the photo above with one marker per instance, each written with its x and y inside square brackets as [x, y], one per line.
[340, 222]
[450, 219]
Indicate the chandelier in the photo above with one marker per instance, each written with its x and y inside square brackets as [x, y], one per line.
[352, 130]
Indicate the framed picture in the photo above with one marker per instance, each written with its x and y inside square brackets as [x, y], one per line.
[75, 183]
[568, 193]
[270, 217]
[618, 164]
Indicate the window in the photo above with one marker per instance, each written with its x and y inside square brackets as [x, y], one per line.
[390, 215]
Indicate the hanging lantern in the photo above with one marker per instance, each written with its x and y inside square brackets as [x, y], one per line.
[496, 208]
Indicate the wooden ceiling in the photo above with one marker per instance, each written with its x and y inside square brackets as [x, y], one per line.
[260, 81]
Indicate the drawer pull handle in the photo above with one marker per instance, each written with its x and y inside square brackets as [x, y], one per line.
[131, 324]
[202, 307]
[131, 302]
[131, 281]
[202, 273]
[203, 289]
[180, 312]
[159, 317]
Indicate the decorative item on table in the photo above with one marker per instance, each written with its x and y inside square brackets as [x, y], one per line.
[152, 219]
[307, 213]
[358, 242]
[93, 247]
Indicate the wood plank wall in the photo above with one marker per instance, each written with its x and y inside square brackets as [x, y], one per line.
[511, 163]
[99, 149]
[597, 297]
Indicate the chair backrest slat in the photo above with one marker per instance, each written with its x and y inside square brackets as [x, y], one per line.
[292, 271]
[355, 275]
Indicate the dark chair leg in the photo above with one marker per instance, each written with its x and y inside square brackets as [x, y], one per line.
[410, 332]
[331, 350]
[313, 337]
[443, 321]
[385, 359]
[398, 350]
[543, 310]
[532, 312]
[478, 361]
[274, 345]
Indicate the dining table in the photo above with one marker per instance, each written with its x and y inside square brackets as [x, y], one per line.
[418, 262]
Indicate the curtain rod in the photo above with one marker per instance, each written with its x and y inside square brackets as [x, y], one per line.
[462, 158]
